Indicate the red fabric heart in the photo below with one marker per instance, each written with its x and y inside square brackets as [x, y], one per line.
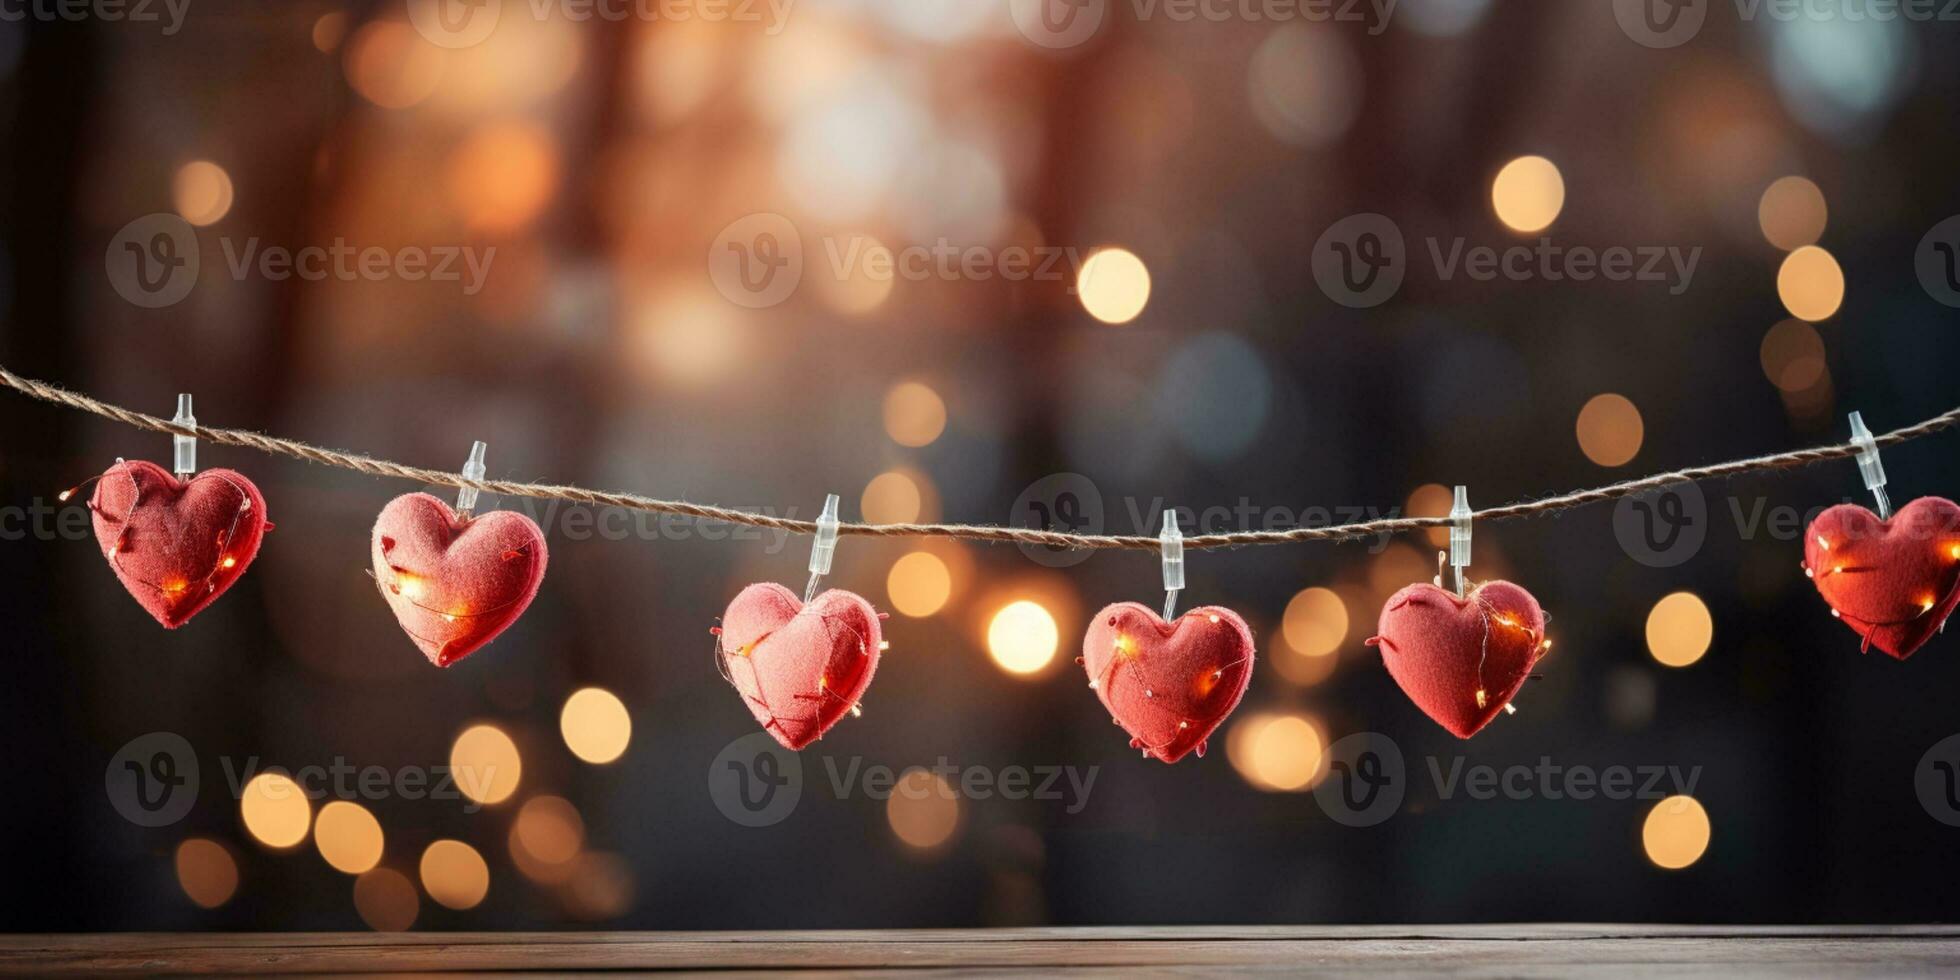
[177, 545]
[1893, 582]
[1461, 660]
[800, 668]
[455, 582]
[1170, 685]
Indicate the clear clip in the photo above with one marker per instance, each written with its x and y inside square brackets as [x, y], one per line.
[825, 547]
[1869, 466]
[185, 446]
[472, 470]
[1170, 543]
[1460, 536]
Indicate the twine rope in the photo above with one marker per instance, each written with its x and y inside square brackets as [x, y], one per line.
[971, 532]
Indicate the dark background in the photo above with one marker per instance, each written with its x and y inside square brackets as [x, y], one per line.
[600, 354]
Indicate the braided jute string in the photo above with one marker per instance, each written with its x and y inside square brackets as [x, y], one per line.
[973, 532]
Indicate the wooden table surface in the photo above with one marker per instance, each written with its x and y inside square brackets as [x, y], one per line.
[1470, 951]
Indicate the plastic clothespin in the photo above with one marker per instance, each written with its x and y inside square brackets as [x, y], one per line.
[185, 446]
[1460, 536]
[1869, 466]
[825, 547]
[1170, 541]
[472, 470]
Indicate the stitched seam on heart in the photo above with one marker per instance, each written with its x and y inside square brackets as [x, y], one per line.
[1871, 624]
[761, 697]
[814, 719]
[393, 595]
[1487, 610]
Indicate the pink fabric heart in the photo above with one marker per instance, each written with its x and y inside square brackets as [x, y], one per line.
[1170, 685]
[176, 545]
[800, 668]
[454, 582]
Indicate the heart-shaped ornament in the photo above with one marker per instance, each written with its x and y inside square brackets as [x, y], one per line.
[1893, 582]
[1461, 659]
[176, 545]
[455, 582]
[1169, 685]
[800, 668]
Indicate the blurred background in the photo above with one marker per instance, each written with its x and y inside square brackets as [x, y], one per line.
[1177, 176]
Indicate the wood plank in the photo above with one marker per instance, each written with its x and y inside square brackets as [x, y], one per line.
[1509, 950]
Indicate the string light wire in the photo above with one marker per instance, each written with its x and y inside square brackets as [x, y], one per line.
[972, 532]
